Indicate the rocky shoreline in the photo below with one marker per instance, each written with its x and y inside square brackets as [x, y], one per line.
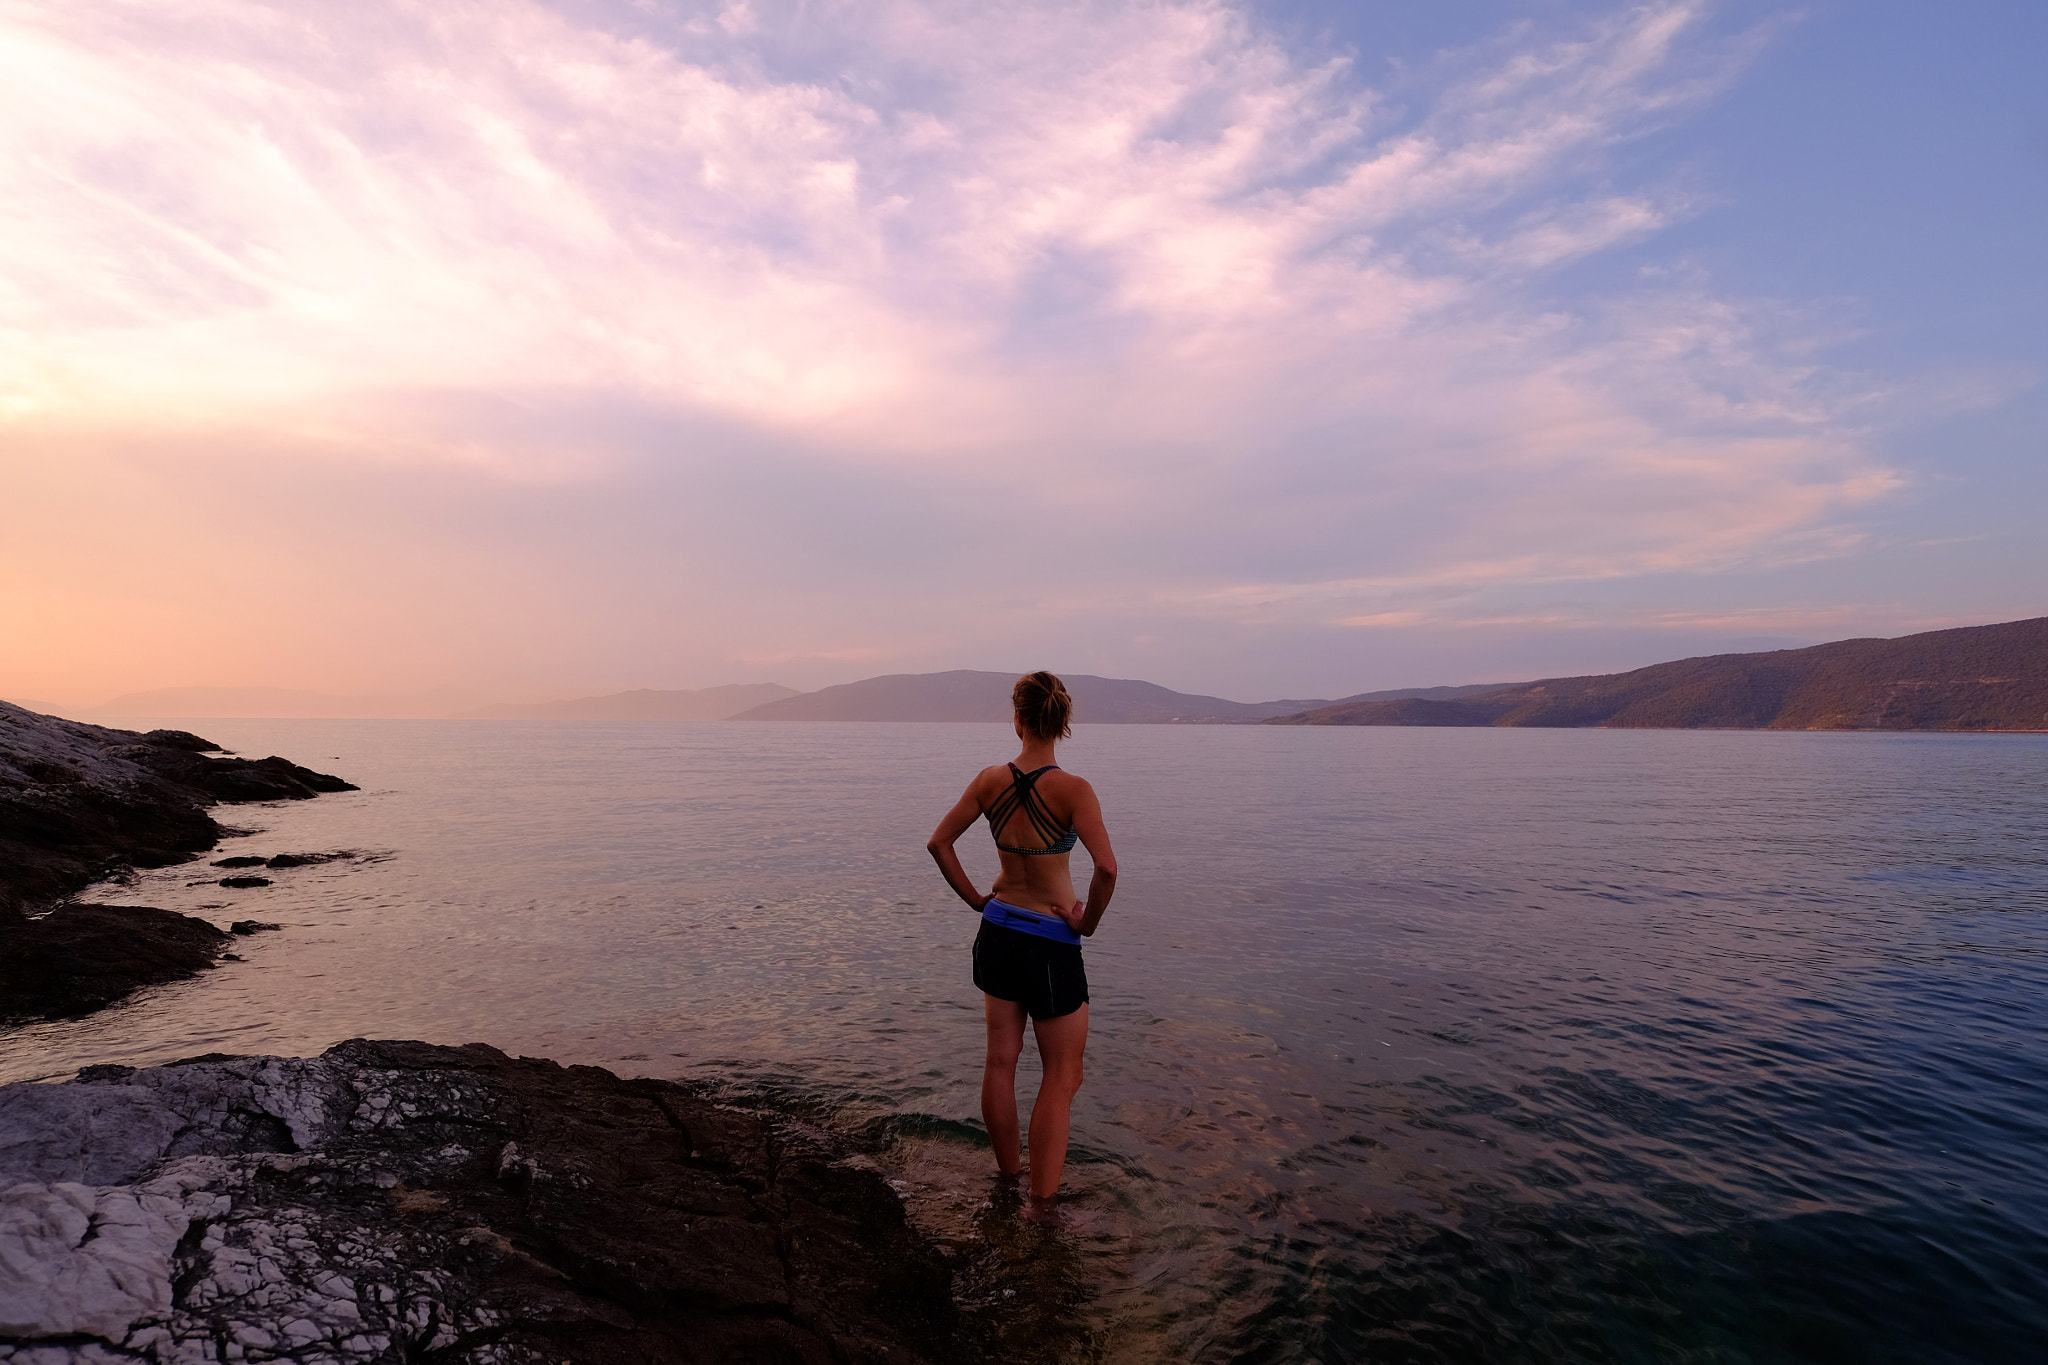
[395, 1201]
[80, 803]
[387, 1201]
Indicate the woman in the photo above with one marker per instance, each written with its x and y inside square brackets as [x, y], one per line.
[1027, 957]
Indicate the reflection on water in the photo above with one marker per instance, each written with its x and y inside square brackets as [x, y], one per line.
[1407, 1045]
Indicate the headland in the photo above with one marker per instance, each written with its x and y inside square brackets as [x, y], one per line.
[81, 803]
[1976, 678]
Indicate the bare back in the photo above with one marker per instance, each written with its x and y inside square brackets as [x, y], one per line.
[1038, 813]
[1034, 809]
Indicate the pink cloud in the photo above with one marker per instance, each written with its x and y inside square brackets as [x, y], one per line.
[1133, 272]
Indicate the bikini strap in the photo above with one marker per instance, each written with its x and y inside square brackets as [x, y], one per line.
[1023, 794]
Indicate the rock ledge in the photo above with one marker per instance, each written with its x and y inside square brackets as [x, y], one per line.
[393, 1201]
[79, 801]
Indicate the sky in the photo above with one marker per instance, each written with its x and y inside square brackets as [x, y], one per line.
[515, 350]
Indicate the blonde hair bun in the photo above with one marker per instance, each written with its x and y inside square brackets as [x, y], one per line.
[1042, 703]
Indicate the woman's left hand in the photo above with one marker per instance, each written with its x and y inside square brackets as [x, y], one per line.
[1074, 916]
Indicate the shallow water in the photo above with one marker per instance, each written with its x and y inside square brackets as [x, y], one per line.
[1407, 1045]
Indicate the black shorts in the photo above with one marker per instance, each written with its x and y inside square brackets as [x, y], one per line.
[1043, 976]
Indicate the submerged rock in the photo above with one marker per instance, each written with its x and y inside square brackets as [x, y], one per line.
[251, 926]
[287, 859]
[397, 1201]
[244, 882]
[312, 859]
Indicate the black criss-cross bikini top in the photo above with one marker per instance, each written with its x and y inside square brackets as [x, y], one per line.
[1023, 795]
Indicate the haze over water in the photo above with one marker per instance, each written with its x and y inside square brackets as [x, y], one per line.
[1407, 1045]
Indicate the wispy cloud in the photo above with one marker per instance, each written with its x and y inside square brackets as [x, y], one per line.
[1202, 312]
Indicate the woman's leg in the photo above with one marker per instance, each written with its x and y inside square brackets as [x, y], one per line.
[1060, 1044]
[999, 1079]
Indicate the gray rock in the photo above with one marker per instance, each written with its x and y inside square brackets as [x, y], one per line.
[97, 1134]
[387, 1200]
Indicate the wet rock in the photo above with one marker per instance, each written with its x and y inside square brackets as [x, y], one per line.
[160, 858]
[395, 1201]
[312, 859]
[81, 957]
[242, 861]
[244, 882]
[246, 927]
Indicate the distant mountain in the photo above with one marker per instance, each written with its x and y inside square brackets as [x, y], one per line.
[1973, 678]
[1424, 693]
[706, 703]
[969, 695]
[266, 703]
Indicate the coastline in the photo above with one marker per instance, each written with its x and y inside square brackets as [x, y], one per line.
[80, 803]
[384, 1200]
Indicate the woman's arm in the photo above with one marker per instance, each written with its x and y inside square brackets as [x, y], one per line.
[956, 823]
[1095, 838]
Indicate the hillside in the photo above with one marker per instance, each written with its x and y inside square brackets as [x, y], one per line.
[1973, 678]
[705, 703]
[972, 695]
[1424, 693]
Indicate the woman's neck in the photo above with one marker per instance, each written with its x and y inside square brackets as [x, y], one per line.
[1035, 756]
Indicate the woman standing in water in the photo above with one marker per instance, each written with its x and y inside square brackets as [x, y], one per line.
[1027, 957]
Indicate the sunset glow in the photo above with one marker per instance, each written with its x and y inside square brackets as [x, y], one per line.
[523, 349]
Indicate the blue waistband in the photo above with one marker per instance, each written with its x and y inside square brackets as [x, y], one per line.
[1004, 915]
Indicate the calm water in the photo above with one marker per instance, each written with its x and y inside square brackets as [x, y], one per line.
[1408, 1045]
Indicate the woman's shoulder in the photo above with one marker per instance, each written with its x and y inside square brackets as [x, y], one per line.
[1066, 782]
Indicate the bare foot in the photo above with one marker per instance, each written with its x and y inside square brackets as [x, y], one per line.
[1043, 1211]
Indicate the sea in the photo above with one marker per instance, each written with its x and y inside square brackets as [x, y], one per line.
[1406, 1045]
